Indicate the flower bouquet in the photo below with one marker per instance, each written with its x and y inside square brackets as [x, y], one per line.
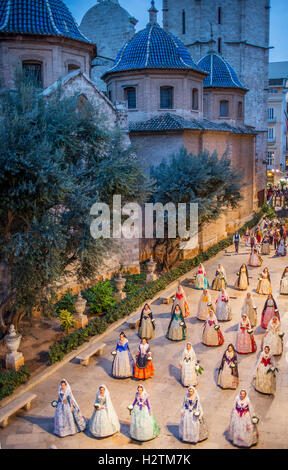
[54, 403]
[273, 370]
[216, 327]
[97, 406]
[149, 357]
[130, 408]
[237, 274]
[114, 353]
[255, 419]
[250, 331]
[232, 365]
[281, 335]
[182, 323]
[196, 413]
[260, 279]
[199, 369]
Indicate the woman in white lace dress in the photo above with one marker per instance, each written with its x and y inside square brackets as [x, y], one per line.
[192, 426]
[223, 308]
[104, 421]
[242, 430]
[264, 379]
[188, 364]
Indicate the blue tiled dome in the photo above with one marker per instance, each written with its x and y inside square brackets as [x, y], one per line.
[153, 48]
[221, 74]
[44, 17]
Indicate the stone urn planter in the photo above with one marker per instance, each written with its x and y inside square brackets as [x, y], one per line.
[14, 359]
[80, 304]
[120, 284]
[151, 266]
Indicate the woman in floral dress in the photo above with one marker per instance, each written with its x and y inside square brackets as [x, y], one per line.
[242, 281]
[223, 308]
[212, 335]
[188, 363]
[228, 376]
[242, 431]
[192, 426]
[143, 426]
[219, 282]
[144, 368]
[264, 286]
[123, 364]
[180, 299]
[68, 419]
[281, 250]
[284, 282]
[264, 379]
[146, 328]
[177, 329]
[203, 308]
[265, 249]
[254, 258]
[104, 421]
[274, 337]
[249, 309]
[201, 281]
[270, 310]
[245, 342]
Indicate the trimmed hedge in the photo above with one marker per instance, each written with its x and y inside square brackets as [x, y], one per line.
[12, 379]
[98, 325]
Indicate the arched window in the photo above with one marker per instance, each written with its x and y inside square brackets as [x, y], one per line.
[219, 45]
[224, 108]
[183, 22]
[219, 15]
[240, 109]
[32, 70]
[166, 97]
[72, 67]
[195, 98]
[130, 97]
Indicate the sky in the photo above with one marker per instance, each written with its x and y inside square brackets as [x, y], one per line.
[138, 9]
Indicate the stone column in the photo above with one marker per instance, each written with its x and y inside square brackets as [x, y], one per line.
[151, 266]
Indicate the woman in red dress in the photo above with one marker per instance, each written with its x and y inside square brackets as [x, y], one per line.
[144, 368]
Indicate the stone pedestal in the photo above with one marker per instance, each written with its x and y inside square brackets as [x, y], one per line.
[80, 320]
[120, 284]
[119, 295]
[14, 360]
[151, 265]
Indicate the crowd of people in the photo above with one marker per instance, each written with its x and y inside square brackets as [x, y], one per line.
[242, 431]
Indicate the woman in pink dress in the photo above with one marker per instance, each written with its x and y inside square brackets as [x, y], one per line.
[245, 342]
[269, 311]
[180, 299]
[254, 258]
[212, 335]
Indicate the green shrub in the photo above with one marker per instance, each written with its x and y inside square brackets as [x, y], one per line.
[11, 380]
[66, 319]
[100, 297]
[66, 303]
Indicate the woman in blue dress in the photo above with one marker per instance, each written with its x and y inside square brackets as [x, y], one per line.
[177, 329]
[143, 426]
[123, 364]
[68, 419]
[104, 421]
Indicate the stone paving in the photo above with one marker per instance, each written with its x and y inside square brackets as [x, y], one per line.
[34, 429]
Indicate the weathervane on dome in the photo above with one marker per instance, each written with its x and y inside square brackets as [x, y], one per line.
[152, 14]
[212, 41]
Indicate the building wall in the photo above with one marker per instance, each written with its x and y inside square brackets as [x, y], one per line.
[148, 83]
[245, 38]
[211, 108]
[54, 53]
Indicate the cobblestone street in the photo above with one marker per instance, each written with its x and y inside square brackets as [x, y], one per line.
[34, 429]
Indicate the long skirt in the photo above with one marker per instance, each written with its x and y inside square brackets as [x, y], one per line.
[176, 332]
[265, 250]
[245, 342]
[263, 382]
[284, 286]
[223, 311]
[241, 283]
[67, 422]
[274, 341]
[100, 425]
[212, 337]
[202, 310]
[188, 374]
[242, 432]
[143, 373]
[123, 365]
[268, 313]
[226, 379]
[219, 283]
[254, 260]
[143, 426]
[192, 429]
[252, 315]
[264, 287]
[201, 282]
[146, 330]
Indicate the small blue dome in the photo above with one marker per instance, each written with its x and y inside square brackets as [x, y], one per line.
[221, 74]
[43, 17]
[153, 48]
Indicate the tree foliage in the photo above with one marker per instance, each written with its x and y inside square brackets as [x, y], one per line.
[57, 159]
